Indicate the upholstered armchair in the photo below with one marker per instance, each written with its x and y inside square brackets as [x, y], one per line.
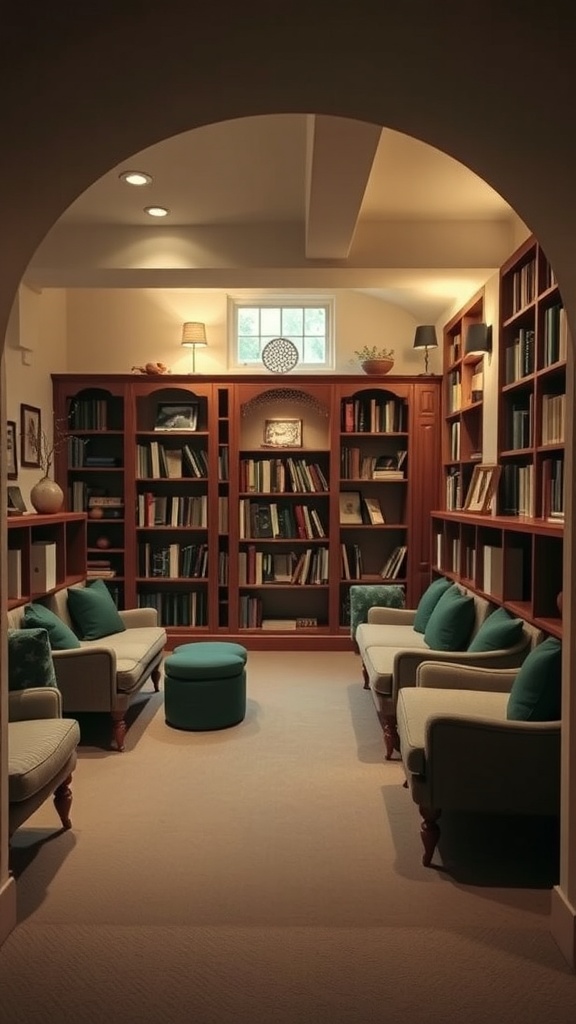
[482, 740]
[41, 754]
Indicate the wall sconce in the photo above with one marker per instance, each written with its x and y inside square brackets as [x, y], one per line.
[425, 337]
[193, 335]
[478, 341]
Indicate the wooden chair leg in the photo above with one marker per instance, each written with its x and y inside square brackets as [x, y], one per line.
[391, 738]
[63, 802]
[156, 679]
[365, 675]
[429, 832]
[118, 729]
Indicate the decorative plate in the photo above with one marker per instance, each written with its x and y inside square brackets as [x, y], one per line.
[280, 355]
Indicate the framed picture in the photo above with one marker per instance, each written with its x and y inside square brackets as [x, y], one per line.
[482, 487]
[350, 508]
[176, 416]
[30, 435]
[283, 433]
[11, 451]
[16, 503]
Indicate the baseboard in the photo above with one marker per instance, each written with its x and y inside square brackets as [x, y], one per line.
[563, 925]
[8, 917]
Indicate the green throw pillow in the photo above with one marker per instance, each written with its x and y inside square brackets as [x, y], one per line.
[497, 632]
[37, 616]
[428, 602]
[93, 611]
[29, 659]
[451, 622]
[536, 691]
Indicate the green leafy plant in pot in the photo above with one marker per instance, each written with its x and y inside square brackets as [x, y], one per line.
[375, 361]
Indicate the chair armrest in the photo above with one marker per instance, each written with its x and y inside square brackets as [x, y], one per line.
[82, 670]
[391, 616]
[133, 618]
[36, 702]
[446, 676]
[406, 663]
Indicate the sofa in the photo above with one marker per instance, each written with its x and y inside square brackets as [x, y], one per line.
[481, 740]
[97, 670]
[394, 642]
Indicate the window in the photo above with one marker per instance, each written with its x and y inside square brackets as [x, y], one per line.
[308, 324]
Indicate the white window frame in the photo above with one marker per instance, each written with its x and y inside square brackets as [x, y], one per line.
[284, 301]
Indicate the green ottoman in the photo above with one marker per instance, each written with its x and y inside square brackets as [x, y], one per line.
[214, 648]
[204, 689]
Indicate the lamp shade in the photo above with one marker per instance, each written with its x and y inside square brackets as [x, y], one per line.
[193, 333]
[478, 340]
[425, 336]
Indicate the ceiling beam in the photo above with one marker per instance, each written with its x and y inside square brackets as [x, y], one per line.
[339, 158]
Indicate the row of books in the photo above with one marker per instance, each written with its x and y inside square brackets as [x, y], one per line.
[394, 563]
[177, 608]
[356, 466]
[159, 461]
[173, 561]
[257, 567]
[523, 286]
[83, 497]
[172, 510]
[81, 454]
[374, 415]
[517, 490]
[519, 356]
[281, 475]
[88, 414]
[284, 520]
[553, 418]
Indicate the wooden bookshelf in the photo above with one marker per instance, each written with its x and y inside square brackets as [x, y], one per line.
[64, 533]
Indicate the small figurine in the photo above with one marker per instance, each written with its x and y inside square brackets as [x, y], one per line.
[152, 369]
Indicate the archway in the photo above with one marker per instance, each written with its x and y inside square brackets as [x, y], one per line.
[86, 91]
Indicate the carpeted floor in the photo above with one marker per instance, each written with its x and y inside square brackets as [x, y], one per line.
[271, 873]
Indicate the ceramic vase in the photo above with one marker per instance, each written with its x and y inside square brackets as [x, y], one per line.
[47, 496]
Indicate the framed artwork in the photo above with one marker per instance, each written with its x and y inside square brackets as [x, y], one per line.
[11, 451]
[16, 504]
[350, 508]
[481, 490]
[30, 435]
[283, 433]
[176, 416]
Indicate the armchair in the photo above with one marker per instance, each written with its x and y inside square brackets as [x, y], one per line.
[41, 754]
[462, 752]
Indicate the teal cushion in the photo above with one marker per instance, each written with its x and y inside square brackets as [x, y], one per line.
[29, 659]
[450, 624]
[93, 611]
[497, 632]
[536, 691]
[37, 616]
[428, 602]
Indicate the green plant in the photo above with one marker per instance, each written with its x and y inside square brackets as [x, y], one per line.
[372, 352]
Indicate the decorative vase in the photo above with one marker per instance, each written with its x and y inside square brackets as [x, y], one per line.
[377, 367]
[47, 496]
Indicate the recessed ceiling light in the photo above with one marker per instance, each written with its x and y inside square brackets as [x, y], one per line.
[156, 211]
[136, 178]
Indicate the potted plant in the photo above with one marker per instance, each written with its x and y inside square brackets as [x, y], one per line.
[375, 361]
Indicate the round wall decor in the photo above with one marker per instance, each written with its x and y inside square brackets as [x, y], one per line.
[280, 355]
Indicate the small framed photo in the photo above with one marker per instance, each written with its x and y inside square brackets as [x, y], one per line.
[350, 508]
[176, 416]
[11, 451]
[16, 504]
[283, 433]
[482, 488]
[30, 434]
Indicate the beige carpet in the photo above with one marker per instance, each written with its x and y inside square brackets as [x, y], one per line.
[271, 873]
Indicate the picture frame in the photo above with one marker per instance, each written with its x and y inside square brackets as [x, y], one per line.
[30, 435]
[482, 489]
[11, 451]
[350, 508]
[177, 416]
[15, 502]
[283, 433]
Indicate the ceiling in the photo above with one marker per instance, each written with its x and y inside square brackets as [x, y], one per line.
[309, 201]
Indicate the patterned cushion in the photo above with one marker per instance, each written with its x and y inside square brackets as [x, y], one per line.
[372, 595]
[93, 611]
[60, 635]
[29, 659]
[428, 602]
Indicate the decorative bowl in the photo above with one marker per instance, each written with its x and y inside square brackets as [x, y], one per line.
[377, 367]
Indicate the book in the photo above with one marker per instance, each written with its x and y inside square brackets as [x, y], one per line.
[374, 511]
[350, 507]
[278, 624]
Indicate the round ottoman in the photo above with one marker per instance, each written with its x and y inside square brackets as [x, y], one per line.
[214, 648]
[204, 689]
